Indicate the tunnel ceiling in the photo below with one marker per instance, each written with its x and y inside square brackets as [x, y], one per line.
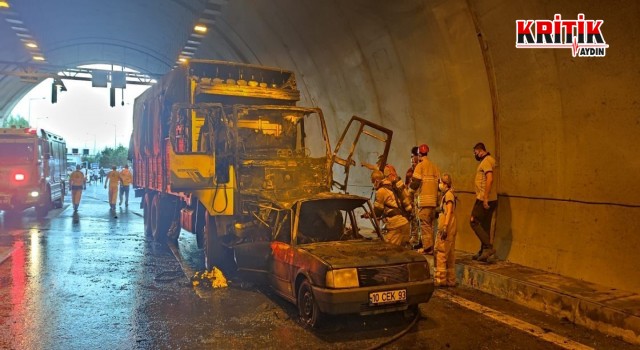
[146, 35]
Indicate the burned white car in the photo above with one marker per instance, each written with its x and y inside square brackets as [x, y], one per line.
[324, 257]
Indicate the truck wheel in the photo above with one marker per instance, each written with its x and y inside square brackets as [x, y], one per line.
[173, 231]
[310, 314]
[146, 213]
[159, 220]
[43, 209]
[213, 250]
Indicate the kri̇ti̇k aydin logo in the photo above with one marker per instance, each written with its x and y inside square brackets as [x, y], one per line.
[583, 37]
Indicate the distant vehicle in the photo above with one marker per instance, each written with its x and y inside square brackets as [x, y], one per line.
[324, 260]
[33, 170]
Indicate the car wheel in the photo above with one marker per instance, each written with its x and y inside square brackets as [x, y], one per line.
[310, 314]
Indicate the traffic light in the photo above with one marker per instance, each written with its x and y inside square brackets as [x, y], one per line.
[54, 93]
[112, 97]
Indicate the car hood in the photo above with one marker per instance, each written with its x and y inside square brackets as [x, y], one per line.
[346, 254]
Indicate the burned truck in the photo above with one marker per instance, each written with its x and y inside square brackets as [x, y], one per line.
[221, 149]
[217, 144]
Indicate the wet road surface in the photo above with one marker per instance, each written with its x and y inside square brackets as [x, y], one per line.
[95, 281]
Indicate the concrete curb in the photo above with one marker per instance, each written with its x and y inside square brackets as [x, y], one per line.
[612, 312]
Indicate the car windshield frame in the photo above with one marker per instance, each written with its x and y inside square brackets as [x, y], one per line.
[319, 218]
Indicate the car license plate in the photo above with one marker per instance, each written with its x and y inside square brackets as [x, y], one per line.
[387, 297]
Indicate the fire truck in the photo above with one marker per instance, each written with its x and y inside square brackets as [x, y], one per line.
[219, 147]
[32, 170]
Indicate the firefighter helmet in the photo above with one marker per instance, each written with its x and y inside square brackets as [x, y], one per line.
[377, 175]
[423, 149]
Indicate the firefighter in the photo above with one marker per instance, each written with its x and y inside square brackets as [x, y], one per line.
[414, 239]
[113, 179]
[445, 275]
[77, 181]
[125, 181]
[425, 182]
[387, 208]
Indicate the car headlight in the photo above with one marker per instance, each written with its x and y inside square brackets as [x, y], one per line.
[342, 278]
[418, 271]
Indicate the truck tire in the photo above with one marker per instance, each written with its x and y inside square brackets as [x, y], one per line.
[159, 220]
[213, 250]
[43, 208]
[146, 213]
[173, 231]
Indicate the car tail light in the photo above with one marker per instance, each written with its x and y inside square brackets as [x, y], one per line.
[19, 177]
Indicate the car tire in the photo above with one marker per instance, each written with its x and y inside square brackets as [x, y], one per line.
[310, 314]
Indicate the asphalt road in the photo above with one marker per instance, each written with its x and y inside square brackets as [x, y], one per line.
[95, 281]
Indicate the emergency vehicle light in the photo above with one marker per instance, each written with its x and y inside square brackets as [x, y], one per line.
[31, 131]
[34, 194]
[19, 177]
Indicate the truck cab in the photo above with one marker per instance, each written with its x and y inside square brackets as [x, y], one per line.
[32, 170]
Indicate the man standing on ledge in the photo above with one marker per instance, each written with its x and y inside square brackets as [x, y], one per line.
[125, 180]
[486, 201]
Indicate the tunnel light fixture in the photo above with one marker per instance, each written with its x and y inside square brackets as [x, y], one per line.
[183, 60]
[200, 28]
[38, 58]
[4, 4]
[31, 45]
[14, 21]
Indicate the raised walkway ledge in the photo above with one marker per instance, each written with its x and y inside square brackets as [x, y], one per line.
[610, 311]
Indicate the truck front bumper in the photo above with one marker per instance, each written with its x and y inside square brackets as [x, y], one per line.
[19, 200]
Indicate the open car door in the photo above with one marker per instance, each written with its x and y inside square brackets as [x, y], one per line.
[255, 258]
[363, 147]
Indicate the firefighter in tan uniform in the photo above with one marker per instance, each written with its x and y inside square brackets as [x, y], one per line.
[446, 241]
[387, 208]
[113, 180]
[76, 181]
[125, 181]
[425, 182]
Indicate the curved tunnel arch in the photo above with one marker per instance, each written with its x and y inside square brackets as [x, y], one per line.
[566, 127]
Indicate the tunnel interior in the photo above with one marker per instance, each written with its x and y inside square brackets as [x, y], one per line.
[446, 73]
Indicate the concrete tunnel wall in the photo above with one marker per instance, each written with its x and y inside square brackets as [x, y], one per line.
[564, 129]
